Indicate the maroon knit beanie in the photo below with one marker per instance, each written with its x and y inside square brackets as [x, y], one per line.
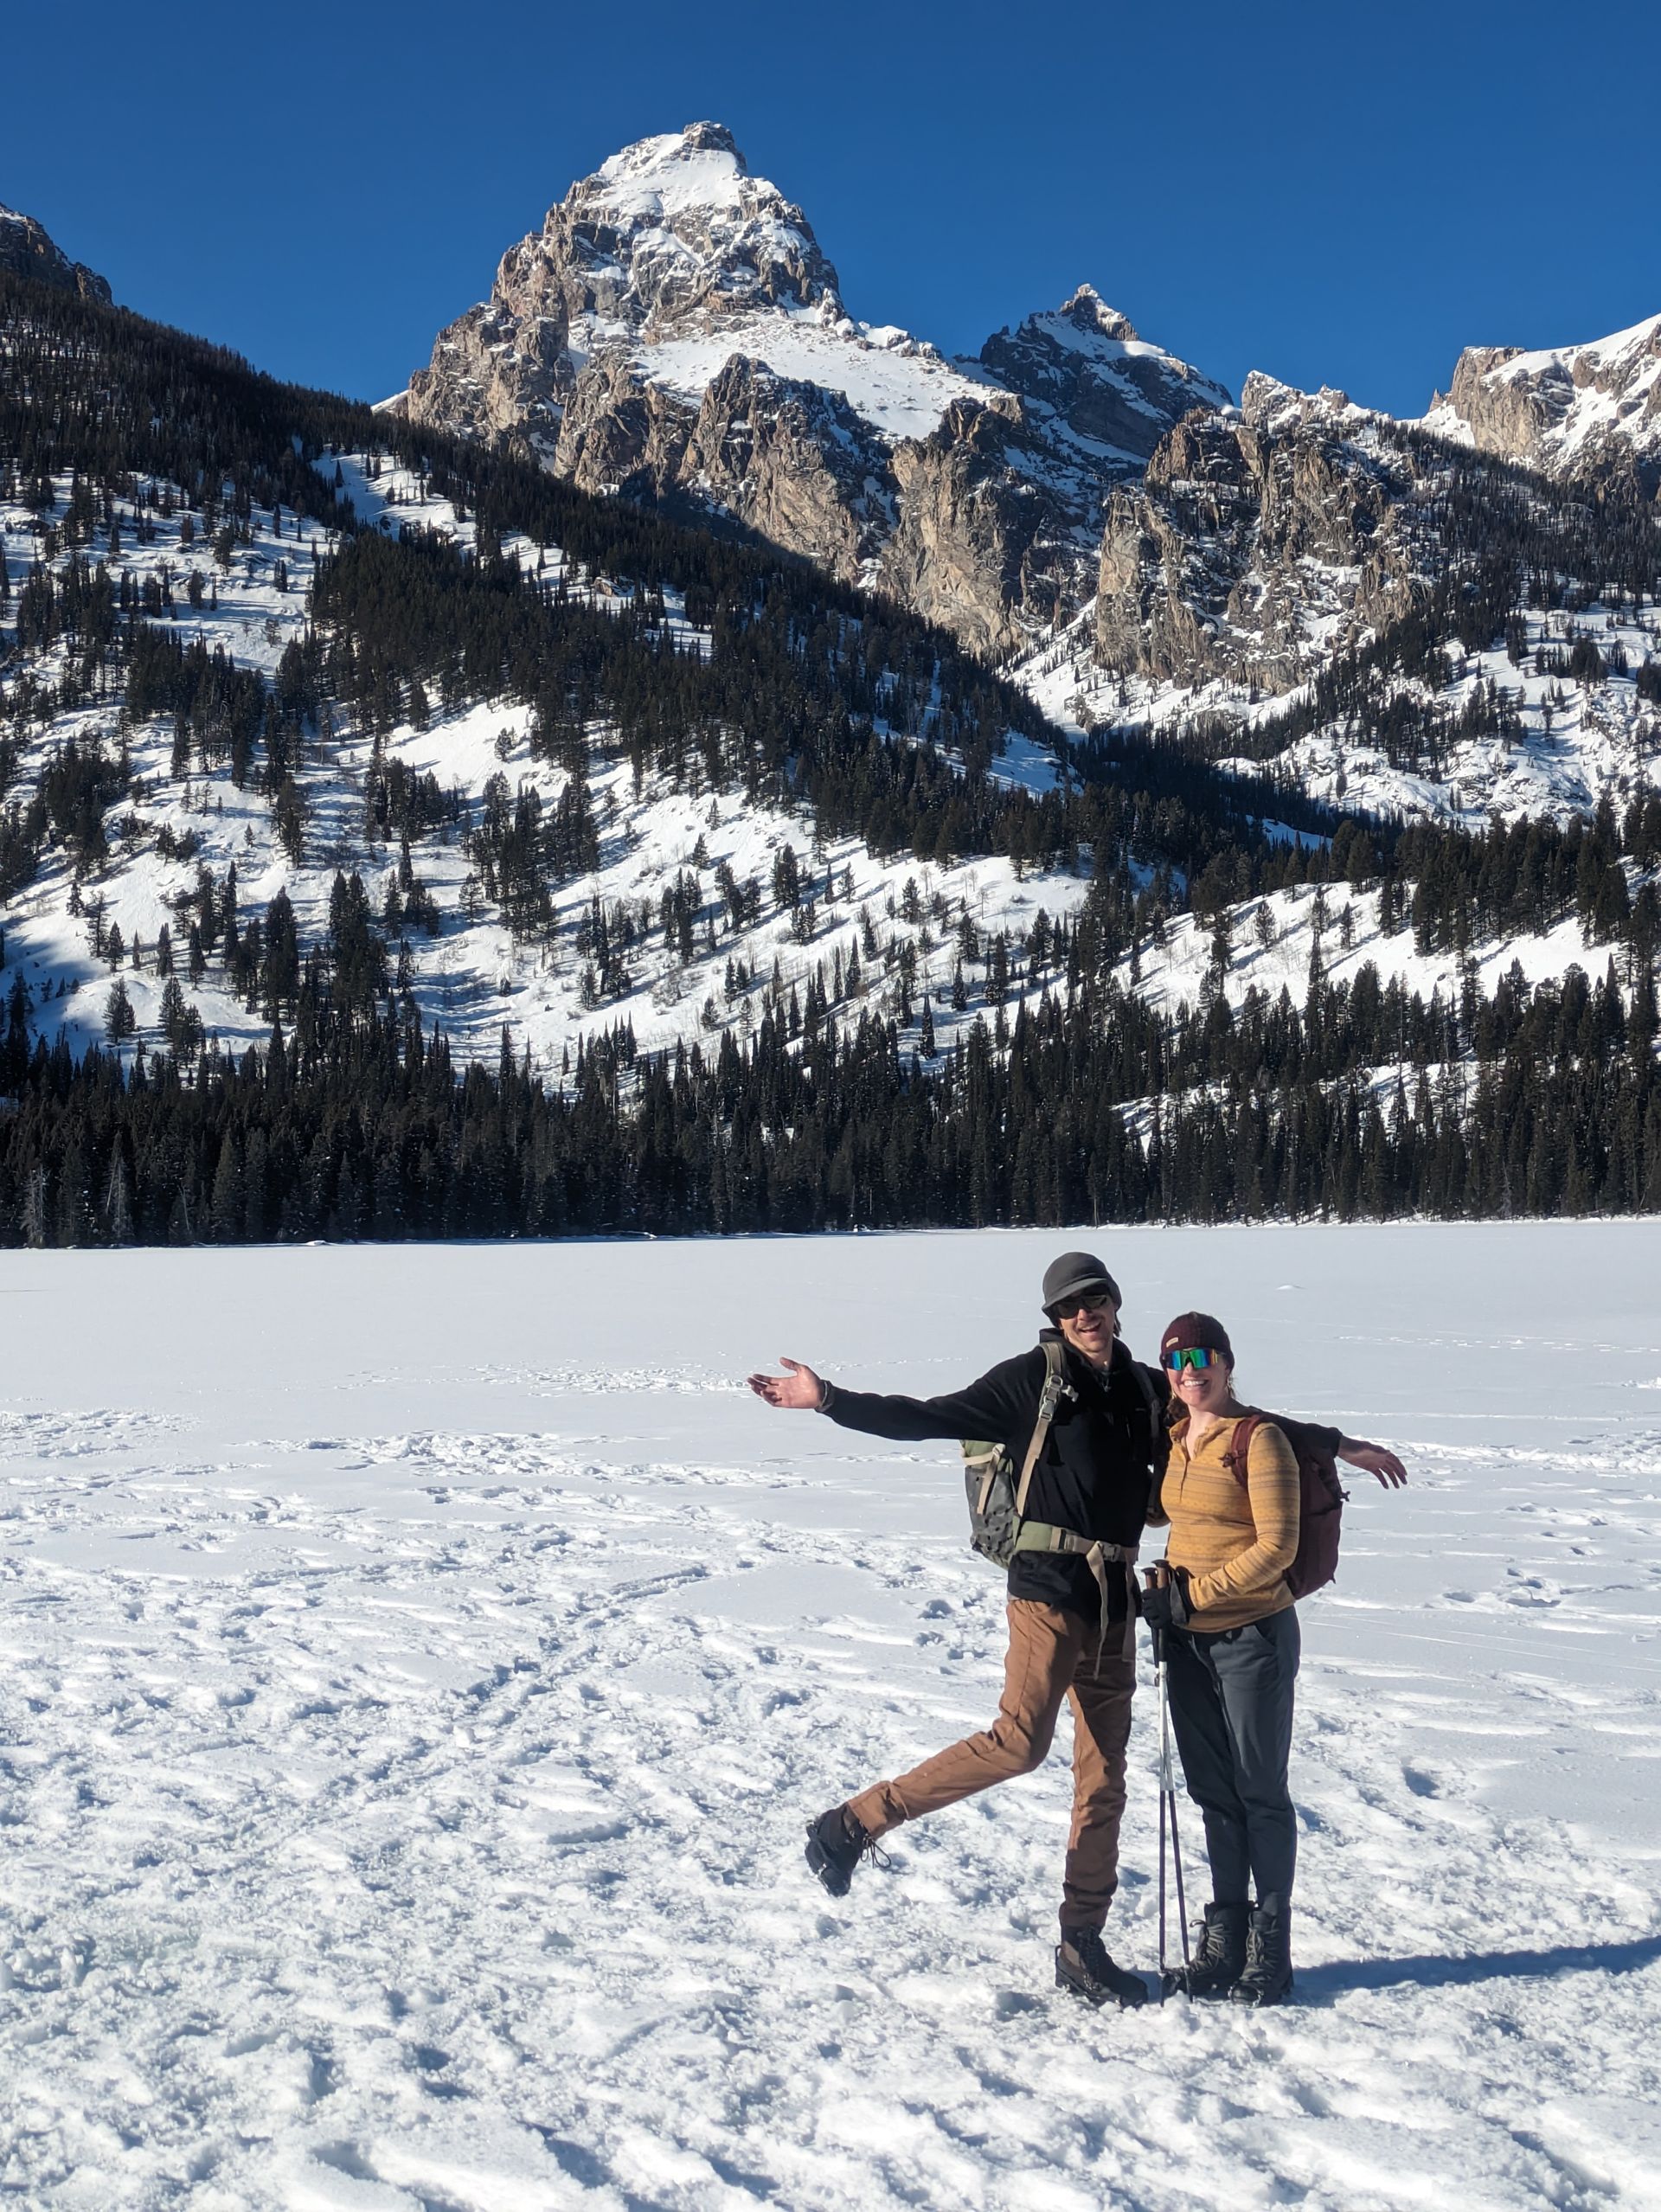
[1188, 1329]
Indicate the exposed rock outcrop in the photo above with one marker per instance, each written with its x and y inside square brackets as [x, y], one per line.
[26, 250]
[1259, 542]
[986, 543]
[1588, 411]
[792, 460]
[619, 433]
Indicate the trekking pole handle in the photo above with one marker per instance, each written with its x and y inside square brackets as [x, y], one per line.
[1155, 1578]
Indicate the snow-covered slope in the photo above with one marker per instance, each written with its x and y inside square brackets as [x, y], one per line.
[419, 1667]
[901, 937]
[675, 331]
[887, 927]
[1546, 742]
[899, 389]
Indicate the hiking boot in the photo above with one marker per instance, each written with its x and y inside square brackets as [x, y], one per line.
[1266, 1978]
[1083, 1966]
[1220, 1955]
[836, 1844]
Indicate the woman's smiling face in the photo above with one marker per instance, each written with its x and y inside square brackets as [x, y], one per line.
[1204, 1389]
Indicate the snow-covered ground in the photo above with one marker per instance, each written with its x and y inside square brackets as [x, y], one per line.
[416, 1666]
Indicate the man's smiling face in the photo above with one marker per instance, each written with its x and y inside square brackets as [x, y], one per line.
[1088, 1320]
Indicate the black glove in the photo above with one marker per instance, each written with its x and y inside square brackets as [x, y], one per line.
[1166, 1606]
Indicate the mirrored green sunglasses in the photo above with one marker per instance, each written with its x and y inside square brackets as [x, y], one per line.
[1192, 1355]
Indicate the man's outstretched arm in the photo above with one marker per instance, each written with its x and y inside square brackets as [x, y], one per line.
[798, 1390]
[1000, 1406]
[1373, 1459]
[1377, 1459]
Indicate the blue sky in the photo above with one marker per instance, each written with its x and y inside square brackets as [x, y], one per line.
[1338, 194]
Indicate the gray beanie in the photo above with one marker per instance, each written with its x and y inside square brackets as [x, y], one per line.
[1075, 1272]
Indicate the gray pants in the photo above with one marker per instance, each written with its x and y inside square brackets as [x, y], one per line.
[1231, 1694]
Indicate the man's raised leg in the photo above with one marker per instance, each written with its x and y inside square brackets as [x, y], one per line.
[1044, 1648]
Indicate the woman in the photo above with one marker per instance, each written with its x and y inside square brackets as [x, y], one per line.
[1231, 1644]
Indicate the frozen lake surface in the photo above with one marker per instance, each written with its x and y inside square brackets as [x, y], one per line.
[416, 1666]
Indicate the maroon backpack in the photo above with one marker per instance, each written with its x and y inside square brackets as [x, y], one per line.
[1320, 1497]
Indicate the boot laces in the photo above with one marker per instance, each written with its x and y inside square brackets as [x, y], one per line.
[868, 1847]
[1213, 1950]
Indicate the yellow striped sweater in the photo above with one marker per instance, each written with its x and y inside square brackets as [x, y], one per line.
[1236, 1540]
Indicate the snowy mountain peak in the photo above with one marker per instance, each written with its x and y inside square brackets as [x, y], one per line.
[1087, 311]
[1569, 410]
[672, 233]
[27, 250]
[1109, 393]
[1266, 403]
[702, 162]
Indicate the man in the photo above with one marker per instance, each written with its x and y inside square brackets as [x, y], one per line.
[1071, 1593]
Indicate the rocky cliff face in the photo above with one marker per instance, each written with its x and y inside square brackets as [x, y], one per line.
[674, 330]
[1590, 411]
[27, 251]
[1259, 542]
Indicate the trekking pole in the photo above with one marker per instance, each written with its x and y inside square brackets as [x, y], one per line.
[1170, 1982]
[1168, 1791]
[1159, 1681]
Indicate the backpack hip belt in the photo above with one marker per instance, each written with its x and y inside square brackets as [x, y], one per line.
[998, 1495]
[1044, 1536]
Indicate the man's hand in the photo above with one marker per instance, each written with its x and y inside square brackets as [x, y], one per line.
[800, 1390]
[1374, 1459]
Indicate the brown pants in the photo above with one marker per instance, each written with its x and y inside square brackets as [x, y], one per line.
[1052, 1655]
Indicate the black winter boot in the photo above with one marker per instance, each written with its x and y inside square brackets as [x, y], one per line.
[1221, 1952]
[1083, 1966]
[836, 1844]
[1267, 1976]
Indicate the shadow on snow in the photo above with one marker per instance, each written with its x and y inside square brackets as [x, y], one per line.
[1320, 1984]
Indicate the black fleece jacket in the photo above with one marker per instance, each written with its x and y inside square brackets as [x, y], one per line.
[1098, 1471]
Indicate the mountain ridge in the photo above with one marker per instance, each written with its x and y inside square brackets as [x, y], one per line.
[971, 490]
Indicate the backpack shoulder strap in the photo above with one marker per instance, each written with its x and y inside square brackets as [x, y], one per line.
[1150, 1395]
[1240, 1446]
[1048, 1399]
[1159, 1432]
